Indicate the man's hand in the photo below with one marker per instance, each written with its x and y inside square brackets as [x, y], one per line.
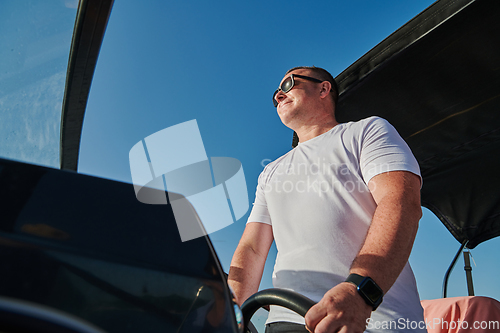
[341, 310]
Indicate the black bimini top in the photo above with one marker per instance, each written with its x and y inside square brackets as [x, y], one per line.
[437, 80]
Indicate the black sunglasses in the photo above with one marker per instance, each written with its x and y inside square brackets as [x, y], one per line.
[288, 84]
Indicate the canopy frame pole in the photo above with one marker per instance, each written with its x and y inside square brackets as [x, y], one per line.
[452, 265]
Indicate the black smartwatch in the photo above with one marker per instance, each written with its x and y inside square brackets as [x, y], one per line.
[368, 289]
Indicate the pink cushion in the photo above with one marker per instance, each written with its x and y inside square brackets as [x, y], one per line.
[462, 314]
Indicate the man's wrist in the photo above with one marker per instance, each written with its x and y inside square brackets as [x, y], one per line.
[371, 293]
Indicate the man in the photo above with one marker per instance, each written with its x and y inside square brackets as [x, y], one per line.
[343, 205]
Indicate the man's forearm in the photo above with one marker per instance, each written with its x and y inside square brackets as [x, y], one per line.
[385, 250]
[390, 237]
[249, 259]
[245, 274]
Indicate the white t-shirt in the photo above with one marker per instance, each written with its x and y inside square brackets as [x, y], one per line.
[317, 200]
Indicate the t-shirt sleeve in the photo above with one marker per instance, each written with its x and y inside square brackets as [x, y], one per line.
[259, 212]
[383, 150]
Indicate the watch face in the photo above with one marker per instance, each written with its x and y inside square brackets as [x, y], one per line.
[370, 290]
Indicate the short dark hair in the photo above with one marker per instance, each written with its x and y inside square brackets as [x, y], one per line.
[324, 75]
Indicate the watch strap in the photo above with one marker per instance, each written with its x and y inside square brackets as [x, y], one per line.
[355, 279]
[360, 281]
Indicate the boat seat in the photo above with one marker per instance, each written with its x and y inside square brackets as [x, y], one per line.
[462, 314]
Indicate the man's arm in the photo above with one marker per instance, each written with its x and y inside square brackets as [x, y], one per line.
[249, 259]
[382, 257]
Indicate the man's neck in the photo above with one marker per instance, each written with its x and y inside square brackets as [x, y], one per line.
[308, 132]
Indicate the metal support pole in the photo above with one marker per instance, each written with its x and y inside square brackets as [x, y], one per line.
[452, 265]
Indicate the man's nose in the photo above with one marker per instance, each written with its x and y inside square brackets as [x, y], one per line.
[280, 95]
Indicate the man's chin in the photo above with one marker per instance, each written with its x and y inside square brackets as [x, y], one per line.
[284, 110]
[287, 120]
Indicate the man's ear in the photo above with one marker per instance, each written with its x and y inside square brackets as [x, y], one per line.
[325, 89]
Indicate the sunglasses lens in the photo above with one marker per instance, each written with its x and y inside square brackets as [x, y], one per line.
[287, 85]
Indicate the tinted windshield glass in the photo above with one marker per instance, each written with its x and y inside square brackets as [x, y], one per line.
[35, 41]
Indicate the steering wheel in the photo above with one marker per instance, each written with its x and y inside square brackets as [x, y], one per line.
[274, 296]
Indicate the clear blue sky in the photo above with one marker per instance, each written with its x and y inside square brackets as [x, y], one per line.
[166, 62]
